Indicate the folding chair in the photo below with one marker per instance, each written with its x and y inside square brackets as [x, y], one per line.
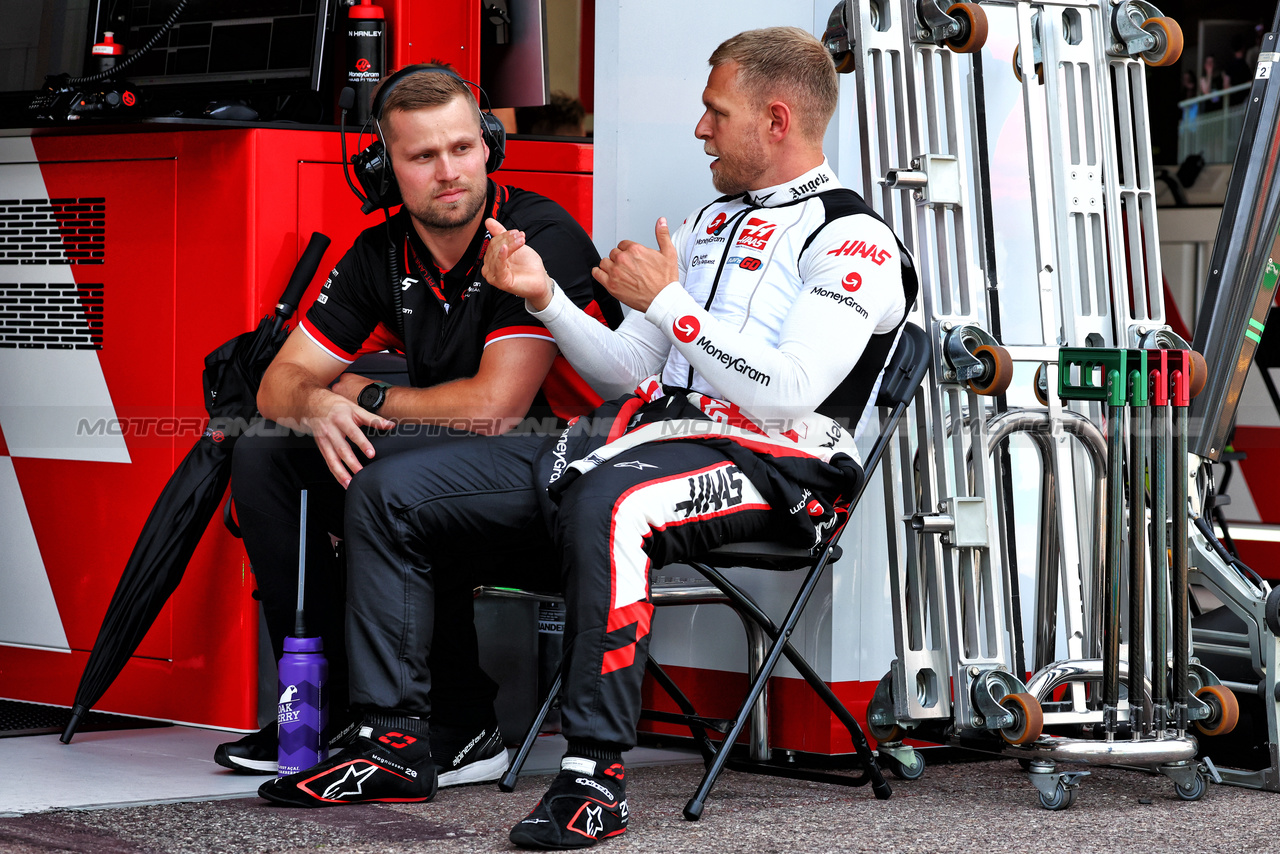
[898, 387]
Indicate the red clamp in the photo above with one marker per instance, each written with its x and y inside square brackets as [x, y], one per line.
[1179, 376]
[1158, 373]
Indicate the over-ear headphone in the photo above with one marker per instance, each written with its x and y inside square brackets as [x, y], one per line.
[373, 167]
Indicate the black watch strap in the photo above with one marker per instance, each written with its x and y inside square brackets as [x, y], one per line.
[372, 396]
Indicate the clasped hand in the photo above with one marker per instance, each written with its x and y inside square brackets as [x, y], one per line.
[633, 272]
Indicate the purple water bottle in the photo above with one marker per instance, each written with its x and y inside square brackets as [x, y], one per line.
[303, 713]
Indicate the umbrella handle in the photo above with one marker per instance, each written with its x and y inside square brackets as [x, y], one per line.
[303, 273]
[77, 712]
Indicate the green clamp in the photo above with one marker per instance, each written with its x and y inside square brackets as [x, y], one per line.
[1092, 373]
[1138, 391]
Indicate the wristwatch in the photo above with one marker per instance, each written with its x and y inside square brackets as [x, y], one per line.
[372, 396]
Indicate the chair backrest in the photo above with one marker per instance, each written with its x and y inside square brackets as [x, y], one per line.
[902, 378]
[906, 368]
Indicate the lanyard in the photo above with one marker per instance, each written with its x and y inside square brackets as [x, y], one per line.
[431, 274]
[433, 278]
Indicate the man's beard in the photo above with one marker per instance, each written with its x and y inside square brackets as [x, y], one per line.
[445, 217]
[738, 172]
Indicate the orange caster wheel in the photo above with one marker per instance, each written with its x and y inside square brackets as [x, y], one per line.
[997, 373]
[885, 734]
[1040, 387]
[1017, 70]
[1028, 718]
[1199, 374]
[845, 63]
[1168, 47]
[1225, 710]
[973, 27]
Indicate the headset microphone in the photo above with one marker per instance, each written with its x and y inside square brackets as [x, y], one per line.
[347, 100]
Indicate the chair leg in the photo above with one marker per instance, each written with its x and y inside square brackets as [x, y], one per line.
[699, 733]
[693, 809]
[758, 742]
[862, 749]
[508, 782]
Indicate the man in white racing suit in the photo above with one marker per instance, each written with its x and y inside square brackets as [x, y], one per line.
[756, 340]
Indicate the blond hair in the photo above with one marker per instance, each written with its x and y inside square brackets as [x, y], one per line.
[787, 64]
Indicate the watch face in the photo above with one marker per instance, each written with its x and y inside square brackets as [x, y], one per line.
[371, 397]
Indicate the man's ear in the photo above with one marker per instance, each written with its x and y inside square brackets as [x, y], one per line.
[780, 117]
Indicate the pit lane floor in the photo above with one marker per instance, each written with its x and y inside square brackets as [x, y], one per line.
[139, 792]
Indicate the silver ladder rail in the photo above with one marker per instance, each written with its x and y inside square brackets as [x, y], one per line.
[951, 610]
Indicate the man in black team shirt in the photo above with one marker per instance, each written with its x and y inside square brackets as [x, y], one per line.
[478, 363]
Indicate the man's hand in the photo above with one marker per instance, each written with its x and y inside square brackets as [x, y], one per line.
[338, 428]
[635, 274]
[513, 266]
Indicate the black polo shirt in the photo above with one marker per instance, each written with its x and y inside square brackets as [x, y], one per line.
[450, 317]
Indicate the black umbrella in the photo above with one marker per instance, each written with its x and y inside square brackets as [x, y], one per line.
[182, 512]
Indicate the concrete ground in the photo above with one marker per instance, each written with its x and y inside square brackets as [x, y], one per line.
[965, 806]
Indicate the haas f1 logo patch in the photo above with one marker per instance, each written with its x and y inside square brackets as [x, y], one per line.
[863, 250]
[757, 233]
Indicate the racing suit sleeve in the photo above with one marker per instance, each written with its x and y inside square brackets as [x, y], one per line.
[842, 302]
[614, 362]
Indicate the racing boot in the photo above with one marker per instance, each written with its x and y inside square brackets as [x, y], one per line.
[388, 761]
[587, 802]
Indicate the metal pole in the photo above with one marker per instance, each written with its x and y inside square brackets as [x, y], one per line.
[1181, 619]
[1138, 428]
[1047, 579]
[1111, 570]
[1160, 569]
[300, 616]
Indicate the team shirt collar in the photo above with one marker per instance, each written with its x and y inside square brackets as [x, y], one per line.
[817, 179]
[418, 258]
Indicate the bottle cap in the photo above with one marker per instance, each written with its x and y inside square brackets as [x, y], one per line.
[108, 46]
[292, 644]
[366, 9]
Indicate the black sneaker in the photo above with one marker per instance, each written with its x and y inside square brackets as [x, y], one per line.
[585, 804]
[465, 755]
[256, 753]
[388, 761]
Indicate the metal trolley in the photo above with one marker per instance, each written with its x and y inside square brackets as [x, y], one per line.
[1106, 362]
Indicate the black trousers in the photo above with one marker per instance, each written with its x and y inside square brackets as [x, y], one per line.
[410, 527]
[271, 465]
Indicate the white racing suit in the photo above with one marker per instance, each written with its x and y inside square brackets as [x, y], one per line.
[789, 303]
